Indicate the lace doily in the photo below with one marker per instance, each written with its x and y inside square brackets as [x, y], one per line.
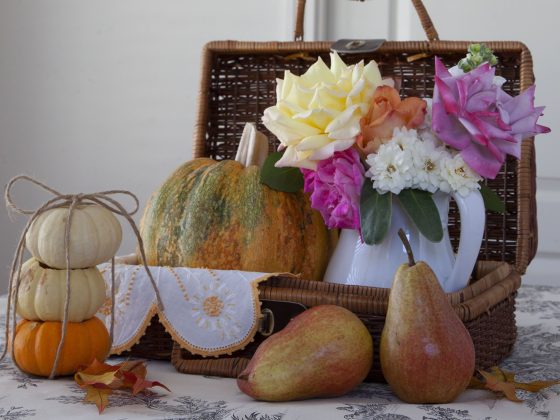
[208, 312]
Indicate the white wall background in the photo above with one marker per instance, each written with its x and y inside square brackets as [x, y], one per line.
[101, 94]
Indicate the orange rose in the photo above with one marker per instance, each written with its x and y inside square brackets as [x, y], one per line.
[387, 112]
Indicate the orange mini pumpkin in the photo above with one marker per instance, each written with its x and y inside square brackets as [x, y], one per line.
[36, 344]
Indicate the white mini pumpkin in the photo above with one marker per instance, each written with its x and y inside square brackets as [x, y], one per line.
[95, 237]
[42, 293]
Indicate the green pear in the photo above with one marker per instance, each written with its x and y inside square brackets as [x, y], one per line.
[325, 351]
[427, 354]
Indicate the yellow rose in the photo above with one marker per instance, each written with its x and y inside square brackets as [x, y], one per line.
[318, 113]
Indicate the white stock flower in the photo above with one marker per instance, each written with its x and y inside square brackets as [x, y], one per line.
[428, 161]
[405, 138]
[318, 113]
[419, 160]
[391, 168]
[427, 136]
[459, 175]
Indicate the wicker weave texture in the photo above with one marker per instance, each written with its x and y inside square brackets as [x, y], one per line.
[239, 81]
[487, 308]
[155, 344]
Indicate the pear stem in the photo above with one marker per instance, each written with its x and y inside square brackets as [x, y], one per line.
[408, 248]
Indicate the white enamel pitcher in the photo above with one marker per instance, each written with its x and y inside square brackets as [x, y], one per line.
[355, 263]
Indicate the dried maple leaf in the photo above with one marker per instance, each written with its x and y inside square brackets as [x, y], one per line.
[132, 371]
[98, 396]
[138, 367]
[111, 379]
[100, 379]
[504, 382]
[500, 384]
[140, 384]
[96, 367]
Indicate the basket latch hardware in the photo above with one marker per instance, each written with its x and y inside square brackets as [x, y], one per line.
[266, 322]
[356, 46]
[276, 314]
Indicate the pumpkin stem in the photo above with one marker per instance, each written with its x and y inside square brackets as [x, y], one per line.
[253, 147]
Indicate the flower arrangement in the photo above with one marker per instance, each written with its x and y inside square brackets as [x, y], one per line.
[357, 143]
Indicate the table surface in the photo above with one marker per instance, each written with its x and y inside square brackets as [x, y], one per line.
[536, 356]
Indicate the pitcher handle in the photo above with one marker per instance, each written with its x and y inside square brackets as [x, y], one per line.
[473, 218]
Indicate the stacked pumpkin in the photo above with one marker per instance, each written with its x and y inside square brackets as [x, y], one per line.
[95, 236]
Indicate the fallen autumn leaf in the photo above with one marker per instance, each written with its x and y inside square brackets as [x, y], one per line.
[502, 381]
[101, 379]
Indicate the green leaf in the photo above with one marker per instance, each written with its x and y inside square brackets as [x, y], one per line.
[281, 179]
[420, 207]
[492, 201]
[375, 213]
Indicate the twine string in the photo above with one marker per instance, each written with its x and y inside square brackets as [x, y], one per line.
[71, 202]
[13, 289]
[67, 227]
[102, 200]
[8, 193]
[112, 299]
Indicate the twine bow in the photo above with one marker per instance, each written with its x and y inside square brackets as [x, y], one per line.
[69, 201]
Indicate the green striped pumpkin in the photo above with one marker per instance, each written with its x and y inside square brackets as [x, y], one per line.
[218, 215]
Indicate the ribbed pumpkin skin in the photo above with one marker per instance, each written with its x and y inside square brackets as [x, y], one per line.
[95, 237]
[219, 215]
[42, 293]
[36, 344]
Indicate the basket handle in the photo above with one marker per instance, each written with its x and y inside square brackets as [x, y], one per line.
[423, 15]
[300, 14]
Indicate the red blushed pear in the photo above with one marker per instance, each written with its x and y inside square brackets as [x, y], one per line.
[427, 354]
[324, 352]
[387, 112]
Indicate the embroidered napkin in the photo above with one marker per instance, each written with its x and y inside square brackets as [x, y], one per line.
[208, 312]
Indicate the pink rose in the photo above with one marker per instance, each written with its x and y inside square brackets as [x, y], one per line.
[335, 189]
[475, 116]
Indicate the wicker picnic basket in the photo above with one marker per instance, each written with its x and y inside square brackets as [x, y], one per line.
[238, 84]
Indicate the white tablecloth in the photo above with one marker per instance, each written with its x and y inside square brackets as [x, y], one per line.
[536, 356]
